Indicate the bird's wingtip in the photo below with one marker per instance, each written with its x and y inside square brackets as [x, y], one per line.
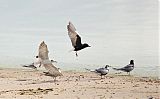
[43, 42]
[69, 22]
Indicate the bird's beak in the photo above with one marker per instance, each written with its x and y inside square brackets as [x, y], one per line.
[89, 46]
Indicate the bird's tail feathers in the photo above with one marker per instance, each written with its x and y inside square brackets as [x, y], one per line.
[116, 68]
[25, 66]
[89, 70]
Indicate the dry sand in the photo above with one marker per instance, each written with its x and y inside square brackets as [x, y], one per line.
[29, 84]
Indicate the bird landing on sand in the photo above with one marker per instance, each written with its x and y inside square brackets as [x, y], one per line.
[43, 54]
[75, 38]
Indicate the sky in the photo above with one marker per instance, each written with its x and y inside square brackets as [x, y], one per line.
[117, 30]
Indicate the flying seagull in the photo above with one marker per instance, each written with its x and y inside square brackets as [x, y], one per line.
[127, 68]
[43, 55]
[75, 38]
[101, 71]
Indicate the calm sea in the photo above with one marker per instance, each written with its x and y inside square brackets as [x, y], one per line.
[117, 30]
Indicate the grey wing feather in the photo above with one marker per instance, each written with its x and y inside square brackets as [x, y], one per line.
[123, 68]
[43, 51]
[127, 67]
[100, 70]
[72, 33]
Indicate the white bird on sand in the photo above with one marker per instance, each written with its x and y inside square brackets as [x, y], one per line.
[43, 55]
[101, 71]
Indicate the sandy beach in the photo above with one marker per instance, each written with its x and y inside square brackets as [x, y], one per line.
[30, 84]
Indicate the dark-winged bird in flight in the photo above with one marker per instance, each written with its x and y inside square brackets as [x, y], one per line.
[75, 38]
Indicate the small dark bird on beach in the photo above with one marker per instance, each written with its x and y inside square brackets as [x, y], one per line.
[36, 64]
[31, 66]
[43, 55]
[75, 38]
[127, 68]
[101, 71]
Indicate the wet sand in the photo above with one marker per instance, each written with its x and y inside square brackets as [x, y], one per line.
[30, 84]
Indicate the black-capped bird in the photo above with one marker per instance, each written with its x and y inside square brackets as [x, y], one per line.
[75, 38]
[127, 68]
[43, 55]
[101, 71]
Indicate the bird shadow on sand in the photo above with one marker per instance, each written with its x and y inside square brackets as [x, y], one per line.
[38, 91]
[124, 75]
[41, 82]
[23, 79]
[99, 78]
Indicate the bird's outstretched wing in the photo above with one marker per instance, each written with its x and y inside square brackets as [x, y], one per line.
[72, 33]
[43, 51]
[43, 54]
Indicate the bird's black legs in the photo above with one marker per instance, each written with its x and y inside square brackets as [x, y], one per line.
[101, 77]
[76, 54]
[40, 64]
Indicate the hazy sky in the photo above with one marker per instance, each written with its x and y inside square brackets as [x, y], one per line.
[117, 30]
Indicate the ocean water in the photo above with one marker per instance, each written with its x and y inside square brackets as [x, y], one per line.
[117, 30]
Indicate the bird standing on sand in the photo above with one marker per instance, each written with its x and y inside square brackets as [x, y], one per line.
[75, 38]
[35, 64]
[127, 68]
[43, 55]
[101, 71]
[31, 66]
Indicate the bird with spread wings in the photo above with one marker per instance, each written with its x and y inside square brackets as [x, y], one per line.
[43, 55]
[75, 38]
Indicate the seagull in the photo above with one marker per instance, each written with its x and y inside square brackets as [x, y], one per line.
[75, 38]
[101, 71]
[127, 68]
[43, 55]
